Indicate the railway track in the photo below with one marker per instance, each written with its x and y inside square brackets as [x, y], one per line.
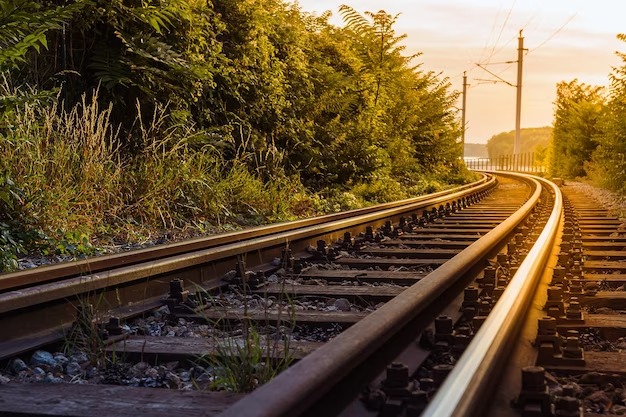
[407, 309]
[39, 305]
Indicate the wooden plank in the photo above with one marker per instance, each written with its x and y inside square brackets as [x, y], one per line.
[397, 277]
[476, 221]
[11, 348]
[604, 362]
[600, 232]
[14, 347]
[418, 235]
[411, 253]
[617, 254]
[602, 415]
[608, 218]
[603, 246]
[464, 228]
[382, 293]
[606, 265]
[597, 226]
[444, 231]
[300, 317]
[85, 400]
[470, 216]
[601, 320]
[146, 348]
[385, 263]
[611, 299]
[505, 209]
[431, 243]
[621, 238]
[608, 278]
[611, 326]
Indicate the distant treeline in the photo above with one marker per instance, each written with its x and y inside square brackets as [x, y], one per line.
[533, 140]
[475, 150]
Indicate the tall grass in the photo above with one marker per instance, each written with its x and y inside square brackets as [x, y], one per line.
[65, 162]
[78, 180]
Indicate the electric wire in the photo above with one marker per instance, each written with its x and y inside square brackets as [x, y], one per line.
[506, 20]
[493, 26]
[556, 32]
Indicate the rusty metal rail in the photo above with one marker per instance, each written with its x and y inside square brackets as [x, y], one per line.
[61, 271]
[303, 388]
[462, 394]
[46, 307]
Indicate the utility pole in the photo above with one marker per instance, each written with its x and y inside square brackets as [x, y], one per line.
[518, 110]
[463, 113]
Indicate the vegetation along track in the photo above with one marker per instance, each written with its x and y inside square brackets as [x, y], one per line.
[371, 296]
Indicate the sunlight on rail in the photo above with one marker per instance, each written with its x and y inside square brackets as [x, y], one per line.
[458, 392]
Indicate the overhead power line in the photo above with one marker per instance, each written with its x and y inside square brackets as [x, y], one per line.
[506, 20]
[518, 86]
[556, 32]
[499, 79]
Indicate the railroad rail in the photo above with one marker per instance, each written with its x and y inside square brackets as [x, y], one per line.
[422, 311]
[39, 305]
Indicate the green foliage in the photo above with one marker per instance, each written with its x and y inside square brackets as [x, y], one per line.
[74, 184]
[70, 244]
[24, 25]
[241, 365]
[532, 140]
[11, 247]
[86, 334]
[251, 355]
[24, 28]
[384, 117]
[379, 48]
[10, 195]
[577, 126]
[126, 117]
[476, 150]
[263, 74]
[607, 166]
[11, 239]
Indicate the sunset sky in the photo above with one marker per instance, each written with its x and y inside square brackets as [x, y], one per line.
[567, 39]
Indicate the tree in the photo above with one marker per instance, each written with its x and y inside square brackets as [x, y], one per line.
[578, 112]
[282, 91]
[608, 163]
[378, 47]
[386, 116]
[24, 27]
[533, 140]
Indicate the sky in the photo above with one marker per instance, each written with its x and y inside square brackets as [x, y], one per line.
[566, 40]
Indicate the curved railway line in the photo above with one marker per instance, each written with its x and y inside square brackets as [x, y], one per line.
[451, 304]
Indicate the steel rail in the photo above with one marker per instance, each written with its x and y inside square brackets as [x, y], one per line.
[90, 265]
[301, 386]
[462, 393]
[26, 297]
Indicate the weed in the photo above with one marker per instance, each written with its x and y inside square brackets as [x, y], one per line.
[88, 333]
[10, 247]
[242, 365]
[85, 335]
[243, 362]
[72, 243]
